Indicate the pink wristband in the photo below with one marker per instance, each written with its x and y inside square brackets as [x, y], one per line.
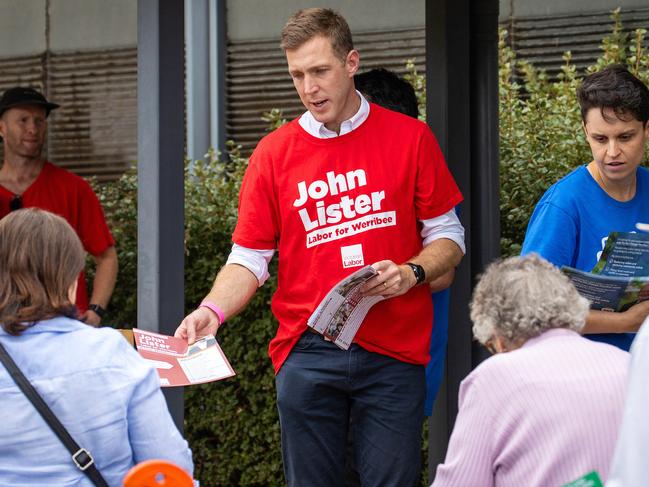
[210, 305]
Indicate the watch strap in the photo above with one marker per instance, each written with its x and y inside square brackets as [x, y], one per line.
[420, 273]
[97, 309]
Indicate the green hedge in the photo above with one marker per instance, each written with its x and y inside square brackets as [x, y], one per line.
[232, 425]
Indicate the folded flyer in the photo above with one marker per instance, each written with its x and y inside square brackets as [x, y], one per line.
[609, 293]
[181, 364]
[342, 311]
[625, 254]
[620, 278]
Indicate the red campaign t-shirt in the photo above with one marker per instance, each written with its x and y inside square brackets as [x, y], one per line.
[70, 196]
[331, 206]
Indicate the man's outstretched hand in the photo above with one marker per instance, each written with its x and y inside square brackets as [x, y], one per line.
[197, 324]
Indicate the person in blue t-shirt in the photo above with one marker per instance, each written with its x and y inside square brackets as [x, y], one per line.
[571, 222]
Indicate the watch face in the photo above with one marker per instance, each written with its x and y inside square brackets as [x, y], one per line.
[420, 274]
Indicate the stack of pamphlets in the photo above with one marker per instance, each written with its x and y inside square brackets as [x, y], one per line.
[343, 309]
[620, 278]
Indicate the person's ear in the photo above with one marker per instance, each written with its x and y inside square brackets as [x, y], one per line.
[352, 62]
[501, 345]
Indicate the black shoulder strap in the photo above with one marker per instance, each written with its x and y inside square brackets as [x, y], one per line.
[80, 456]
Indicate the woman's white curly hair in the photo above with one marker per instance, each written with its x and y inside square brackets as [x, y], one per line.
[521, 297]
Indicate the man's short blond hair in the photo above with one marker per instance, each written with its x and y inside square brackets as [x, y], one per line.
[306, 24]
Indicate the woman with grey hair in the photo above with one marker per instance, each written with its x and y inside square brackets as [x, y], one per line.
[547, 411]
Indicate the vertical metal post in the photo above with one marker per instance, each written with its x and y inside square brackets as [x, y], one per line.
[206, 58]
[485, 153]
[448, 114]
[197, 37]
[462, 110]
[160, 172]
[218, 58]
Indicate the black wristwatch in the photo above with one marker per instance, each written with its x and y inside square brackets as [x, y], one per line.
[97, 309]
[420, 273]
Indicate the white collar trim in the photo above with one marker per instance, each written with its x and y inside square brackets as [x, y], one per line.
[317, 129]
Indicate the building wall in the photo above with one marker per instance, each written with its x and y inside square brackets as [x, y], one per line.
[74, 25]
[92, 24]
[536, 8]
[264, 19]
[95, 24]
[22, 27]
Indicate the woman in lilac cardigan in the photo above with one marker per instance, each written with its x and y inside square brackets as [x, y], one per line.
[545, 410]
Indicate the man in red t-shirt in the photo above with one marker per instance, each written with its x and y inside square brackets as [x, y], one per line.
[345, 184]
[27, 180]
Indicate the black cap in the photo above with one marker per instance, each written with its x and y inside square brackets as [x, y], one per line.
[17, 96]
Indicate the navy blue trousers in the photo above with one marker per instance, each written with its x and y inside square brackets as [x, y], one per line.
[320, 387]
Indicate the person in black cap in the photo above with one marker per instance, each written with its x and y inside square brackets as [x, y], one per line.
[27, 180]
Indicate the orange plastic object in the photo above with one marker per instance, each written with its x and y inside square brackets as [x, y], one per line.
[157, 473]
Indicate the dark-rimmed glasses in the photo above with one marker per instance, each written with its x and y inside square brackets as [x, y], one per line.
[16, 203]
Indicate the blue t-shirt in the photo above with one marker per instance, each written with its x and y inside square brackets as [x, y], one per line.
[571, 223]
